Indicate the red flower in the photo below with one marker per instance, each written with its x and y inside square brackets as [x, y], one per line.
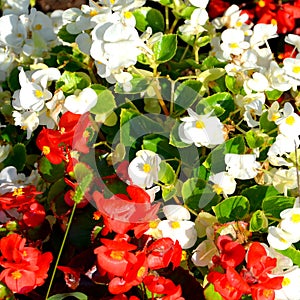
[35, 215]
[114, 256]
[217, 8]
[50, 143]
[25, 267]
[232, 253]
[121, 213]
[162, 285]
[162, 252]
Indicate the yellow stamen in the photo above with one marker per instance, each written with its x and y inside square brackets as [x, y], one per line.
[200, 124]
[290, 120]
[175, 225]
[46, 150]
[93, 13]
[239, 23]
[274, 22]
[38, 27]
[296, 69]
[183, 255]
[141, 272]
[16, 275]
[153, 224]
[117, 255]
[18, 192]
[261, 3]
[146, 168]
[234, 45]
[286, 281]
[96, 215]
[295, 218]
[39, 93]
[217, 189]
[268, 293]
[127, 14]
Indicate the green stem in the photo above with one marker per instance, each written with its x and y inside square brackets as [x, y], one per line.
[167, 18]
[61, 250]
[173, 26]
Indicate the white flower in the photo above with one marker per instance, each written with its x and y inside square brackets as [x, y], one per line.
[202, 130]
[292, 68]
[279, 239]
[143, 169]
[291, 221]
[258, 83]
[293, 39]
[242, 166]
[177, 226]
[204, 222]
[9, 180]
[16, 7]
[273, 112]
[263, 32]
[194, 26]
[289, 123]
[4, 151]
[28, 120]
[203, 254]
[285, 179]
[278, 78]
[13, 32]
[233, 42]
[223, 182]
[290, 285]
[199, 3]
[81, 102]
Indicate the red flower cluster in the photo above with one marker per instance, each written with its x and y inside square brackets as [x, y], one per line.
[126, 266]
[122, 213]
[25, 268]
[29, 211]
[252, 279]
[72, 134]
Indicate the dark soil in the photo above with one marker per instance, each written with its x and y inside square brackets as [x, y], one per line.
[51, 5]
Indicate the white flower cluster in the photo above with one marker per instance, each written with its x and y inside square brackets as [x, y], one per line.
[107, 33]
[24, 36]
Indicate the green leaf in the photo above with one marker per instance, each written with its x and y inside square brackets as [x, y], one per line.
[273, 94]
[257, 193]
[166, 173]
[232, 209]
[216, 159]
[274, 205]
[50, 172]
[13, 80]
[105, 103]
[211, 294]
[134, 125]
[84, 177]
[65, 35]
[77, 295]
[69, 82]
[232, 85]
[222, 103]
[152, 105]
[165, 48]
[292, 253]
[197, 194]
[266, 125]
[168, 192]
[138, 84]
[185, 95]
[255, 139]
[149, 17]
[17, 157]
[208, 76]
[258, 222]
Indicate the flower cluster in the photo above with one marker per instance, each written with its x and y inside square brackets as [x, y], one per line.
[152, 148]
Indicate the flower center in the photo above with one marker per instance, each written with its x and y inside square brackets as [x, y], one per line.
[286, 281]
[153, 224]
[296, 69]
[217, 189]
[234, 45]
[38, 27]
[175, 225]
[39, 94]
[146, 168]
[127, 14]
[18, 192]
[141, 272]
[46, 150]
[295, 218]
[268, 293]
[117, 255]
[290, 120]
[261, 3]
[16, 275]
[93, 13]
[200, 124]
